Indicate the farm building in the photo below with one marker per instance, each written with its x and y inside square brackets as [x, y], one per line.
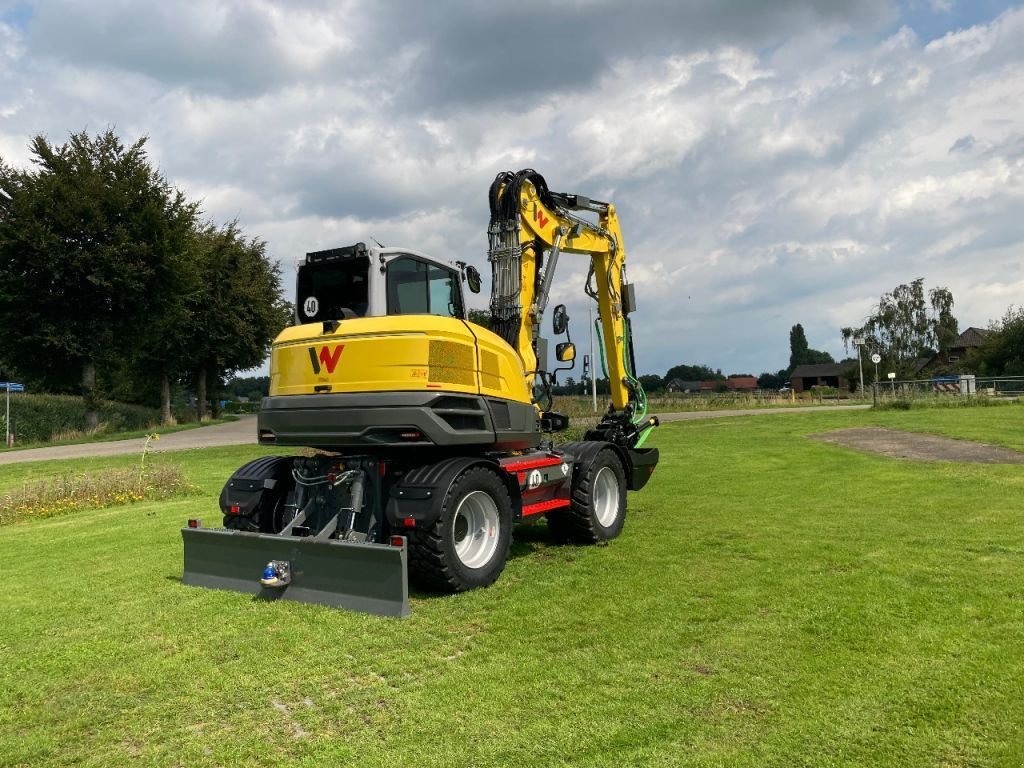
[954, 358]
[820, 375]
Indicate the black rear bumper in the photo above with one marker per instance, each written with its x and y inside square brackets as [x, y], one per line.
[396, 420]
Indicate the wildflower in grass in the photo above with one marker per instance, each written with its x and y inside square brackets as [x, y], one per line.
[66, 493]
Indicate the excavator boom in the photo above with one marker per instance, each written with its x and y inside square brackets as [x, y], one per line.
[530, 228]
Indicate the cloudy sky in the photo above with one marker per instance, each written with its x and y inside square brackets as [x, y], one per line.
[772, 162]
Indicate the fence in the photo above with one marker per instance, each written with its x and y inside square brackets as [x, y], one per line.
[969, 385]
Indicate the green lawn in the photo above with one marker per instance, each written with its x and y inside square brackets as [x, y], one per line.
[773, 601]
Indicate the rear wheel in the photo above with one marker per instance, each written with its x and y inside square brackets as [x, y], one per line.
[468, 545]
[598, 509]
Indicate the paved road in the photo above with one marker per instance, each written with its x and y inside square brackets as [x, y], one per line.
[243, 432]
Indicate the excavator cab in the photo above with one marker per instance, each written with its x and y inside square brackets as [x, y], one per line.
[357, 281]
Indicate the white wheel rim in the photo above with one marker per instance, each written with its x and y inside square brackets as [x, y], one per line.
[475, 529]
[606, 496]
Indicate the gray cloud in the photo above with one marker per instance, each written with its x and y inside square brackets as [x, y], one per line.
[772, 163]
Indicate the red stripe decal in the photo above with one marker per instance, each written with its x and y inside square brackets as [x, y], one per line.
[522, 466]
[545, 506]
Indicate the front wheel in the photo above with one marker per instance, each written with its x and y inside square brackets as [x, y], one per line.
[598, 509]
[468, 545]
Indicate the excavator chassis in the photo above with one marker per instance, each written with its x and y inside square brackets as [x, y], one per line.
[335, 530]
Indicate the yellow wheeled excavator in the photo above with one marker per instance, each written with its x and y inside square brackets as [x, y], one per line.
[432, 434]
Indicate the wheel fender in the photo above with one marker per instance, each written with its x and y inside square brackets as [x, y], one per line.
[584, 452]
[422, 491]
[245, 489]
[638, 464]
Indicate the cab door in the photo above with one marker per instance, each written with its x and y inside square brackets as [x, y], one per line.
[416, 286]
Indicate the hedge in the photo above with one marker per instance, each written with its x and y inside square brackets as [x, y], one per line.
[38, 418]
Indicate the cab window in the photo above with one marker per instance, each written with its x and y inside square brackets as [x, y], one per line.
[324, 290]
[417, 288]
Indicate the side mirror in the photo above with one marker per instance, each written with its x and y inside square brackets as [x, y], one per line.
[565, 352]
[473, 279]
[560, 320]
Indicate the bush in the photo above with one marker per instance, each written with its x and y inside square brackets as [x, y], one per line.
[38, 418]
[68, 492]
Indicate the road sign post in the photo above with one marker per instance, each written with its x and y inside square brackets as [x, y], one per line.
[8, 387]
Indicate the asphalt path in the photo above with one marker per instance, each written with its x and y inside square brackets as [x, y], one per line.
[243, 432]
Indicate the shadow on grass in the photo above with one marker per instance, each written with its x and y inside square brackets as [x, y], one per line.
[528, 540]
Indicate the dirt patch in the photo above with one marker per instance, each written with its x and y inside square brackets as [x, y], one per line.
[919, 447]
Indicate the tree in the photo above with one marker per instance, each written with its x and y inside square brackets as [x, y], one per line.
[481, 317]
[235, 319]
[254, 387]
[693, 373]
[87, 242]
[651, 382]
[800, 353]
[773, 380]
[1002, 352]
[797, 346]
[903, 327]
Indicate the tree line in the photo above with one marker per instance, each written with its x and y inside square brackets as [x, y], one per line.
[908, 327]
[113, 285]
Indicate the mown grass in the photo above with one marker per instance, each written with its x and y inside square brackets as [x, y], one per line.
[774, 601]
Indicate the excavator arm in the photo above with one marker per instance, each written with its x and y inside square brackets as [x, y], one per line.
[531, 227]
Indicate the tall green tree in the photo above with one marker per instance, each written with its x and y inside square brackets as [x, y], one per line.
[1002, 352]
[239, 312]
[88, 237]
[798, 346]
[800, 353]
[905, 326]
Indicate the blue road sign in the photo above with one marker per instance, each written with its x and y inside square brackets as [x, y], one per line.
[10, 386]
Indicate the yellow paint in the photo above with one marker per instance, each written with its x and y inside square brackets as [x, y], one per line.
[393, 354]
[608, 255]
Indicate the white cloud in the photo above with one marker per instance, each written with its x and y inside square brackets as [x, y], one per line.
[772, 163]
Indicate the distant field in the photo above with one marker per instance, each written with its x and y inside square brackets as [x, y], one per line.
[773, 601]
[668, 402]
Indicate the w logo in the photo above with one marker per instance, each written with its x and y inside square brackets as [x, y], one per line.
[539, 217]
[327, 357]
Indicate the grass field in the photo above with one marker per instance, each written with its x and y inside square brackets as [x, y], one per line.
[773, 601]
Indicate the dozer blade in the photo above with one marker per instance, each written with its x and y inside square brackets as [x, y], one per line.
[371, 578]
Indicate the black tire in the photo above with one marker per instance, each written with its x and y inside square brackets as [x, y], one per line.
[265, 519]
[598, 509]
[444, 557]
